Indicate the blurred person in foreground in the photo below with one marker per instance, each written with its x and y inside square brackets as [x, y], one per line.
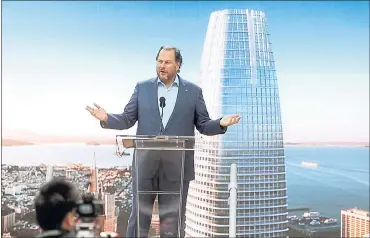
[55, 206]
[184, 110]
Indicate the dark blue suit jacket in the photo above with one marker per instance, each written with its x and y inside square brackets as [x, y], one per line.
[190, 112]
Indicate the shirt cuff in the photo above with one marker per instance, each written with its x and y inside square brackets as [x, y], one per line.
[223, 128]
[105, 124]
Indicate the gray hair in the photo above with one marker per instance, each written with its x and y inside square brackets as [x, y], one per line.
[178, 56]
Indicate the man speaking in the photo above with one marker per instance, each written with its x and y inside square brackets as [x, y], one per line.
[164, 105]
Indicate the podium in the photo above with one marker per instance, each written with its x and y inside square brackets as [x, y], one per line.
[157, 172]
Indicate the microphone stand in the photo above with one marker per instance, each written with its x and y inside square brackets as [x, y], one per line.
[161, 128]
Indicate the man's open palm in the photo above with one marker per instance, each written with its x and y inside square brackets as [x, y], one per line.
[98, 112]
[229, 120]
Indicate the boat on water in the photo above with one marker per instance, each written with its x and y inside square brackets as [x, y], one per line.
[309, 164]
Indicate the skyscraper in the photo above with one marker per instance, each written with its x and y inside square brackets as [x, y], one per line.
[109, 207]
[49, 173]
[238, 76]
[93, 186]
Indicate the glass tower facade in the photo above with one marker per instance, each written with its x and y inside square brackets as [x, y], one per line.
[238, 76]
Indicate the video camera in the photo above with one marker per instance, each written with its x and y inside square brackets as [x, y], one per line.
[88, 211]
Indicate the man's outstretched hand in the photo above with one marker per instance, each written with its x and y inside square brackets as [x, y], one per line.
[229, 120]
[98, 112]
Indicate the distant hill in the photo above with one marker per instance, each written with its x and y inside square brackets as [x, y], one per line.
[10, 142]
[27, 137]
[102, 141]
[31, 137]
[361, 144]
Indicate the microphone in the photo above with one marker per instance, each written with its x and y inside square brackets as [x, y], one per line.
[162, 104]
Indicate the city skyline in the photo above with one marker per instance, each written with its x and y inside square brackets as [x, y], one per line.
[73, 54]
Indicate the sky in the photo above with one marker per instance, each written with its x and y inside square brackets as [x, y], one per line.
[58, 57]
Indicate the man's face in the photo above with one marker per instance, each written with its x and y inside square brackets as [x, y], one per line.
[166, 65]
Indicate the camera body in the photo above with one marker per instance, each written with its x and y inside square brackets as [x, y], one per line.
[88, 211]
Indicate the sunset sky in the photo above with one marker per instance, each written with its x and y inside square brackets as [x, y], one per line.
[59, 57]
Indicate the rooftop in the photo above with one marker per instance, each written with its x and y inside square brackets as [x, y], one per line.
[357, 211]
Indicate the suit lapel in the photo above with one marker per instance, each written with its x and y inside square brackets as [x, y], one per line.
[153, 93]
[180, 100]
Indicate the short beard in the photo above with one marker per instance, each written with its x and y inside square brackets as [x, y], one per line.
[169, 77]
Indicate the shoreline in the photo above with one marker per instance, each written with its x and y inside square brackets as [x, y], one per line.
[114, 144]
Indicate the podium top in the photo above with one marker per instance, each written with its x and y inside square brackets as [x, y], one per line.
[147, 142]
[158, 137]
